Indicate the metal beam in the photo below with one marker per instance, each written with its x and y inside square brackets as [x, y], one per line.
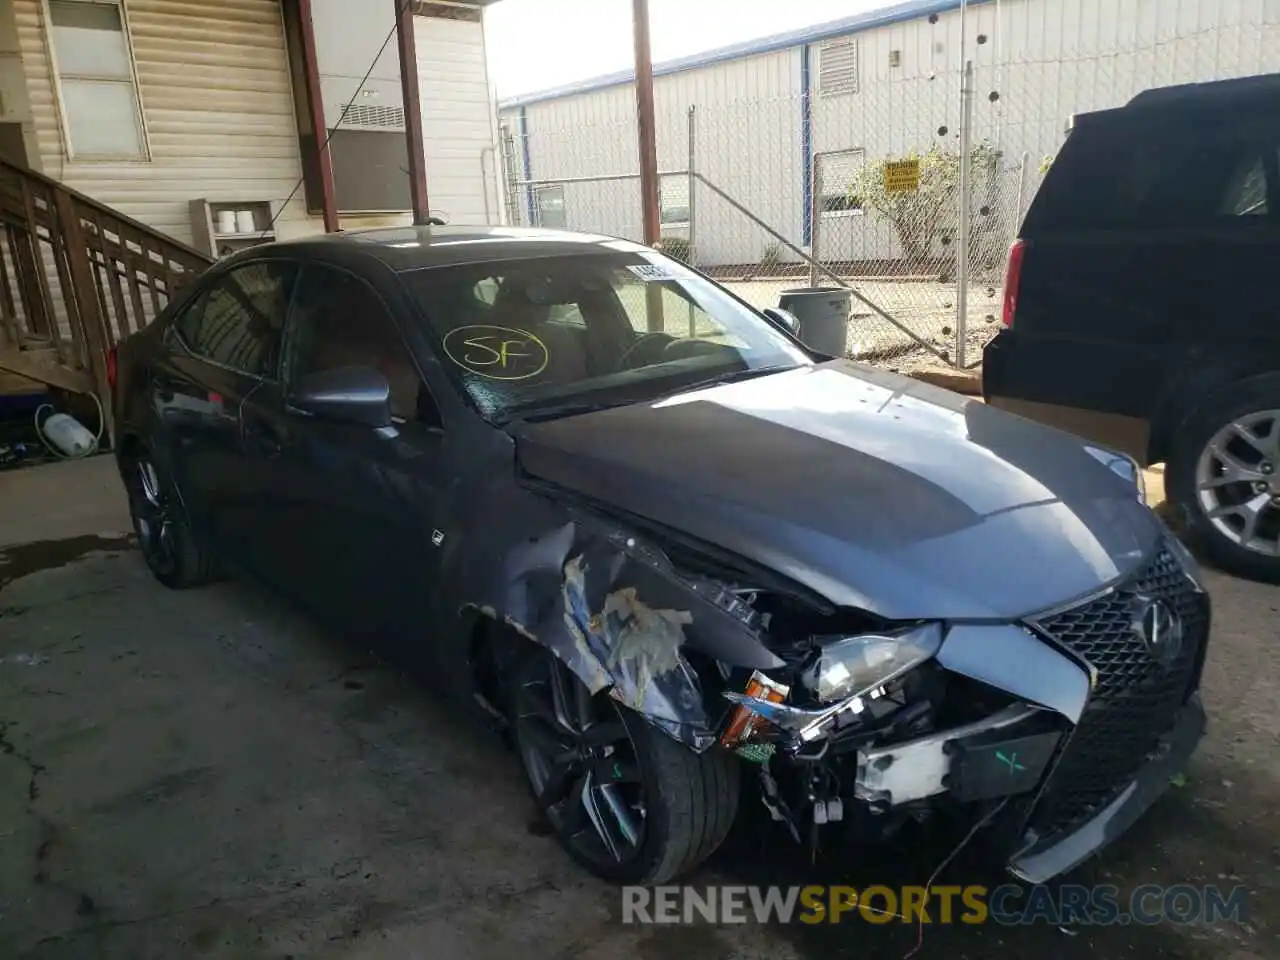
[646, 126]
[315, 106]
[412, 111]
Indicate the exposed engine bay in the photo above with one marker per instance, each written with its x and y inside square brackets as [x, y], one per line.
[862, 725]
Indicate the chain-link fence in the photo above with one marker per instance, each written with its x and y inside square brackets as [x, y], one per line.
[895, 161]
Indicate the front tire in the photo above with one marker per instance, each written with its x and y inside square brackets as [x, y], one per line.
[1224, 479]
[164, 537]
[625, 800]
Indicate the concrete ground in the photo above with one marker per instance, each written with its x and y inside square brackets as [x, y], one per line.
[214, 774]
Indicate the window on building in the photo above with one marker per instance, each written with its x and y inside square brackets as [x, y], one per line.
[549, 207]
[837, 182]
[673, 200]
[101, 115]
[237, 322]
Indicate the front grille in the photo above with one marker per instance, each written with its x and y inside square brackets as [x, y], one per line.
[1135, 698]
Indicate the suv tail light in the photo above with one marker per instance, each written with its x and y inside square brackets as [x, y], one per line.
[111, 368]
[1012, 276]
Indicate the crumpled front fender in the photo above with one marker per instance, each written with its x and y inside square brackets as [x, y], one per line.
[616, 613]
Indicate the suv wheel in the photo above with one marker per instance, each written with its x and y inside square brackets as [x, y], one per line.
[164, 537]
[1224, 477]
[625, 800]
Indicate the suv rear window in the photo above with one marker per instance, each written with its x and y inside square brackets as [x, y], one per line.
[1153, 169]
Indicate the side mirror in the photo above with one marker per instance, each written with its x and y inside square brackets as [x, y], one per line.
[359, 395]
[784, 320]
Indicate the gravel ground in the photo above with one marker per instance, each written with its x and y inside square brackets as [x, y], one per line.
[213, 774]
[926, 308]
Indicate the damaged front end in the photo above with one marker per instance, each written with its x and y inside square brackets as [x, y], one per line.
[845, 716]
[1070, 723]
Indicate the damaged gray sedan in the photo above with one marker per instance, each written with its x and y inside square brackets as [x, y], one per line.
[634, 521]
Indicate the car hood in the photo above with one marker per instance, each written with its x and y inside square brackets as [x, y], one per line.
[871, 489]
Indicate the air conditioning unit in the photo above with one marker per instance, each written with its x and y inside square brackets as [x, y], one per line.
[365, 123]
[345, 47]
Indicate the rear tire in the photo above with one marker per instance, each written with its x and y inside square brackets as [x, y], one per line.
[164, 536]
[679, 805]
[1224, 479]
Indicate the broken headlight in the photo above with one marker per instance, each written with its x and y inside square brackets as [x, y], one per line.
[1122, 465]
[845, 667]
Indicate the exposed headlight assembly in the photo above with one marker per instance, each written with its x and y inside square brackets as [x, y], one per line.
[847, 667]
[841, 672]
[1122, 465]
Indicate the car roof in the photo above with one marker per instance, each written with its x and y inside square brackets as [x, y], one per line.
[1211, 95]
[420, 247]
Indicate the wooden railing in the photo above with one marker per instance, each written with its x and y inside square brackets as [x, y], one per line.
[76, 277]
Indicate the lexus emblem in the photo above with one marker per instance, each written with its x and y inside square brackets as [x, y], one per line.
[1159, 627]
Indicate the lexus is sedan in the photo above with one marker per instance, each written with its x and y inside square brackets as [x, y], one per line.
[636, 523]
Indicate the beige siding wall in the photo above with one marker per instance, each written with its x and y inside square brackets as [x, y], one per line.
[215, 93]
[214, 84]
[457, 121]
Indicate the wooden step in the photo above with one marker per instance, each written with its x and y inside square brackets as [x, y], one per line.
[27, 371]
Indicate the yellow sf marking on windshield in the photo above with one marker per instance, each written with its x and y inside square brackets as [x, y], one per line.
[496, 353]
[501, 355]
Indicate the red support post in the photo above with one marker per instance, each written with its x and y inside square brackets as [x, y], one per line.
[311, 67]
[646, 127]
[412, 110]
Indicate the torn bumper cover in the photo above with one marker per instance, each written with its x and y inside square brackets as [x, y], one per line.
[1045, 858]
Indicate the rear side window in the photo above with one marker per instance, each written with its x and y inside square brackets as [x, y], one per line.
[1246, 193]
[237, 322]
[1158, 171]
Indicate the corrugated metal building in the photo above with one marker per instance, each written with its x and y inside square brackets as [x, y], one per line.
[147, 105]
[783, 125]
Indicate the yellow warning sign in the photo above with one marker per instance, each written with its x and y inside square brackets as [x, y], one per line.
[902, 176]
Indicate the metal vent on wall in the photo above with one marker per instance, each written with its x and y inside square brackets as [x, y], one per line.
[372, 115]
[838, 66]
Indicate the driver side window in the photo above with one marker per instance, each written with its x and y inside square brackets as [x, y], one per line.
[339, 321]
[680, 317]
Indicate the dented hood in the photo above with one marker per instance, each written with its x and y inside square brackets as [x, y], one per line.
[871, 489]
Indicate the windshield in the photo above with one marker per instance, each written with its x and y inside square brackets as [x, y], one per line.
[616, 327]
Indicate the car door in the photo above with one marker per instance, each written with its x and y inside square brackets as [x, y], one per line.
[221, 348]
[351, 506]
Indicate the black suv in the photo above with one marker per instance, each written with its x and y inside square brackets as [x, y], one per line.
[1140, 309]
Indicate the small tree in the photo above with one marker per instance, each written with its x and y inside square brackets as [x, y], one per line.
[930, 213]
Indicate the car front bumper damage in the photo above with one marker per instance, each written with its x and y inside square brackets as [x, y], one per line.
[677, 650]
[1041, 860]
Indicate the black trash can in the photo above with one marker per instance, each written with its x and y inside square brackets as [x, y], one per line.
[823, 313]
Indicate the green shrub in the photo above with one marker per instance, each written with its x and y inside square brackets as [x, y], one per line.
[771, 259]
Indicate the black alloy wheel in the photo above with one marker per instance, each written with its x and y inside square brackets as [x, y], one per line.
[624, 798]
[152, 521]
[582, 765]
[164, 537]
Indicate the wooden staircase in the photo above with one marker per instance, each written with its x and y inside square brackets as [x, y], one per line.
[76, 277]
